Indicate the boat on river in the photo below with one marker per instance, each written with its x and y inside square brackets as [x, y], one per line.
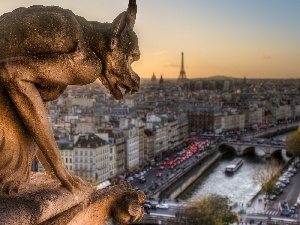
[234, 165]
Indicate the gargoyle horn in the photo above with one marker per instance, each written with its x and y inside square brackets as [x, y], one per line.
[132, 10]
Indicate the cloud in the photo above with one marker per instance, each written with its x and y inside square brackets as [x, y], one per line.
[263, 56]
[163, 52]
[171, 65]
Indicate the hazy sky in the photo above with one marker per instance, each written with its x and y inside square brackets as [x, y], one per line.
[252, 38]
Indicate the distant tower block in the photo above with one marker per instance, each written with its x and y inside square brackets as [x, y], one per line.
[182, 76]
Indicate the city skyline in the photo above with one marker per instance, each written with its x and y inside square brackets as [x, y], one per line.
[253, 39]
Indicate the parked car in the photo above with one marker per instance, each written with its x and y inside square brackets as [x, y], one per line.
[277, 191]
[292, 170]
[143, 173]
[136, 175]
[270, 197]
[288, 174]
[280, 184]
[129, 179]
[284, 180]
[162, 206]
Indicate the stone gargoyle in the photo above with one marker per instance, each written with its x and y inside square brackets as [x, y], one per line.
[43, 49]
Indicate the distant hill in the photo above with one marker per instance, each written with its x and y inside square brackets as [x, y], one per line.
[216, 77]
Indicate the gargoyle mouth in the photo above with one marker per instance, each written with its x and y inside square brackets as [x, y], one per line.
[128, 89]
[118, 89]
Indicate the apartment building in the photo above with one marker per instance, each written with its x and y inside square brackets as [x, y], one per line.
[91, 157]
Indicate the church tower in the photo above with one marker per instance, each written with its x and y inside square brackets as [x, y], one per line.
[182, 75]
[153, 78]
[161, 81]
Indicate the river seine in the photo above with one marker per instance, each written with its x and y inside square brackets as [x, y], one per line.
[239, 187]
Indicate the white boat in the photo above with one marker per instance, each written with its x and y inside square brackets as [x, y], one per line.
[234, 165]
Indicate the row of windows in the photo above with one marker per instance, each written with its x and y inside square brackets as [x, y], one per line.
[91, 159]
[92, 152]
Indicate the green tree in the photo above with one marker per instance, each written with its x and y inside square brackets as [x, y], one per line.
[267, 176]
[209, 210]
[293, 143]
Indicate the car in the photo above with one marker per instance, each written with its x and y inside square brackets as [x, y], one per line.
[284, 180]
[288, 174]
[285, 212]
[142, 179]
[147, 206]
[129, 179]
[143, 173]
[163, 163]
[277, 191]
[293, 210]
[161, 168]
[153, 206]
[280, 184]
[136, 175]
[149, 168]
[292, 170]
[270, 197]
[162, 206]
[158, 175]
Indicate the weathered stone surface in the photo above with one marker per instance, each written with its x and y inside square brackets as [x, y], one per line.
[43, 50]
[44, 201]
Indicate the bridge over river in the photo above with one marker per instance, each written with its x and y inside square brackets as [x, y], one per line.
[264, 147]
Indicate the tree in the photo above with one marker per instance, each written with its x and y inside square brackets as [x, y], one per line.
[293, 143]
[210, 210]
[267, 176]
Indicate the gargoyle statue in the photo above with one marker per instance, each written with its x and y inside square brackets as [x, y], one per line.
[43, 49]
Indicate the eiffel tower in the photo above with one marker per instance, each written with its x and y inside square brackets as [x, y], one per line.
[182, 77]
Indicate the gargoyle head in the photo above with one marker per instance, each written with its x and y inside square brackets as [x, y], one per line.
[123, 50]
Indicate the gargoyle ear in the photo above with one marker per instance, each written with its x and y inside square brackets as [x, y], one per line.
[119, 23]
[126, 18]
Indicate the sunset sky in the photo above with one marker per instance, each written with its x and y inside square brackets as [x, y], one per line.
[252, 38]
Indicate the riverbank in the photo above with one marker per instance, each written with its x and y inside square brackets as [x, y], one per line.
[190, 176]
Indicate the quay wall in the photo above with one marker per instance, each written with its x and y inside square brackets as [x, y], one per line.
[188, 181]
[185, 182]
